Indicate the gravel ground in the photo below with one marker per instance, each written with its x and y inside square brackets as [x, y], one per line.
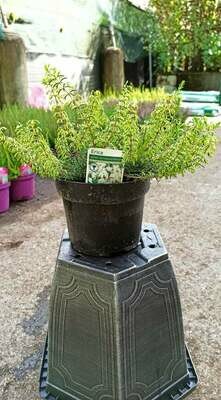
[188, 213]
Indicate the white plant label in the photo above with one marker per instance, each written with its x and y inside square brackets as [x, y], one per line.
[104, 166]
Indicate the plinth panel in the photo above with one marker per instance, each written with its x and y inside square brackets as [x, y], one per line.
[80, 337]
[153, 342]
[115, 329]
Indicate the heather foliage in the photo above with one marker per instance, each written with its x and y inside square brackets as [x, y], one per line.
[162, 146]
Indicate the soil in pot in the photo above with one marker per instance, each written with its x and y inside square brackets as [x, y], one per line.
[103, 220]
[23, 188]
[4, 197]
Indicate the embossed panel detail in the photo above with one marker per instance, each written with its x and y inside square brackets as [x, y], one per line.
[150, 336]
[81, 345]
[153, 341]
[81, 340]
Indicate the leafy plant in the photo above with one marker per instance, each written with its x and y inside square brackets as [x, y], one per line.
[145, 100]
[188, 34]
[139, 94]
[162, 146]
[29, 146]
[211, 51]
[133, 20]
[60, 91]
[183, 34]
[12, 115]
[8, 161]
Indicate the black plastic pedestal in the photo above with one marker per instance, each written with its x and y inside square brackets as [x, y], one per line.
[115, 327]
[176, 393]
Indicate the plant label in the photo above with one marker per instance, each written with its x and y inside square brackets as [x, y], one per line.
[104, 166]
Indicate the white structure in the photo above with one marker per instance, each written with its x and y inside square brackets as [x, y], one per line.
[61, 33]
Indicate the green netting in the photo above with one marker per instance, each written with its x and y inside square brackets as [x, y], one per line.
[133, 29]
[132, 46]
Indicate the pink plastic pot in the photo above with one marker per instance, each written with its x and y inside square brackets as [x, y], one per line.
[4, 197]
[23, 188]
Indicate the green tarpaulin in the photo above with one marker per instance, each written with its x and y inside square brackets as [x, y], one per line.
[132, 46]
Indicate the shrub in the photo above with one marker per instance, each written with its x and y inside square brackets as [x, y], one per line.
[144, 99]
[163, 146]
[138, 95]
[188, 34]
[8, 161]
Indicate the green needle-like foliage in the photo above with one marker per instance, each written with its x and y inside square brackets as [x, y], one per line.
[13, 114]
[163, 146]
[174, 146]
[7, 160]
[123, 127]
[59, 90]
[30, 147]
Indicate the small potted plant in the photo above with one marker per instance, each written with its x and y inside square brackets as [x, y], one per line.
[104, 219]
[4, 190]
[5, 163]
[23, 187]
[19, 177]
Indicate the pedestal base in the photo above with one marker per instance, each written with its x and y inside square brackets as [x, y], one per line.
[115, 326]
[177, 392]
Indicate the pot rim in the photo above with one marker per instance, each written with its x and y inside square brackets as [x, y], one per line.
[109, 194]
[100, 185]
[23, 178]
[5, 185]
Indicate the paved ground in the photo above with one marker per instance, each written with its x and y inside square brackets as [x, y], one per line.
[187, 211]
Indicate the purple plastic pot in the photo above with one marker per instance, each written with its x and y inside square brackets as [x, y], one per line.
[23, 188]
[4, 197]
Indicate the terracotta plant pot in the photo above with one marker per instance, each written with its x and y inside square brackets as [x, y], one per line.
[103, 219]
[23, 188]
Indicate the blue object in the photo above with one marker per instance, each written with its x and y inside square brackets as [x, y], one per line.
[201, 110]
[201, 97]
[1, 32]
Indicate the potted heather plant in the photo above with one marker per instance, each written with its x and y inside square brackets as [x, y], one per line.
[23, 186]
[7, 170]
[19, 177]
[4, 191]
[4, 183]
[105, 219]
